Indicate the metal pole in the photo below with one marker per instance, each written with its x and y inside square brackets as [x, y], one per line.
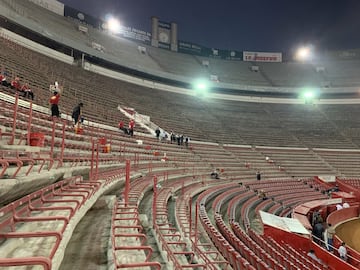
[29, 125]
[154, 200]
[127, 182]
[92, 160]
[52, 139]
[190, 213]
[97, 161]
[62, 143]
[196, 222]
[150, 165]
[14, 119]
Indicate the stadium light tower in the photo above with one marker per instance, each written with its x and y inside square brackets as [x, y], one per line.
[113, 25]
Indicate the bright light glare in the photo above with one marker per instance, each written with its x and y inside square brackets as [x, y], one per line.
[114, 25]
[308, 95]
[303, 53]
[201, 87]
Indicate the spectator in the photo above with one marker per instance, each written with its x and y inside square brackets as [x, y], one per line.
[342, 251]
[315, 216]
[172, 137]
[121, 125]
[178, 137]
[339, 207]
[163, 136]
[262, 195]
[157, 132]
[187, 140]
[181, 139]
[27, 91]
[312, 254]
[15, 84]
[258, 175]
[3, 80]
[330, 232]
[77, 113]
[215, 174]
[54, 101]
[318, 231]
[131, 127]
[346, 205]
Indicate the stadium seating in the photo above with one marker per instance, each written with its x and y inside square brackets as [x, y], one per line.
[286, 142]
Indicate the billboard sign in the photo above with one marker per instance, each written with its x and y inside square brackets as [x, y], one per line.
[135, 34]
[262, 56]
[52, 5]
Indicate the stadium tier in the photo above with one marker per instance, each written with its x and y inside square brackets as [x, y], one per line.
[228, 183]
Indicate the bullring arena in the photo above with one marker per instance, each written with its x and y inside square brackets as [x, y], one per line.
[94, 197]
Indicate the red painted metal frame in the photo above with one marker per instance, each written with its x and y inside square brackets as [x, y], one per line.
[119, 209]
[154, 208]
[29, 124]
[12, 138]
[20, 212]
[127, 182]
[62, 143]
[52, 143]
[91, 173]
[43, 261]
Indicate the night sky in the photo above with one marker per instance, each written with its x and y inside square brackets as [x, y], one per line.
[254, 25]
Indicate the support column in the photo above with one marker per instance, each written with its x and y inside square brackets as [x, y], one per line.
[174, 37]
[154, 32]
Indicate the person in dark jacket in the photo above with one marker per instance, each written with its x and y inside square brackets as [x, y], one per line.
[77, 112]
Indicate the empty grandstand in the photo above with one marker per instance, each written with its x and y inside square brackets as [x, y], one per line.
[92, 196]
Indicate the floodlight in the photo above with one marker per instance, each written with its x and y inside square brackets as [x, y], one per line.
[113, 25]
[201, 87]
[304, 53]
[309, 95]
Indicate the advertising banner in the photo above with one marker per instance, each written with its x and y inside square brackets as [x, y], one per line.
[262, 56]
[52, 5]
[83, 17]
[196, 49]
[135, 34]
[190, 48]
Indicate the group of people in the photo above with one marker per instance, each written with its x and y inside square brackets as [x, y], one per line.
[130, 129]
[161, 135]
[342, 206]
[179, 139]
[342, 251]
[54, 100]
[15, 84]
[319, 231]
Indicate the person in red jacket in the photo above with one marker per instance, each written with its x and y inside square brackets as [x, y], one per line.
[54, 101]
[27, 91]
[121, 125]
[131, 127]
[15, 84]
